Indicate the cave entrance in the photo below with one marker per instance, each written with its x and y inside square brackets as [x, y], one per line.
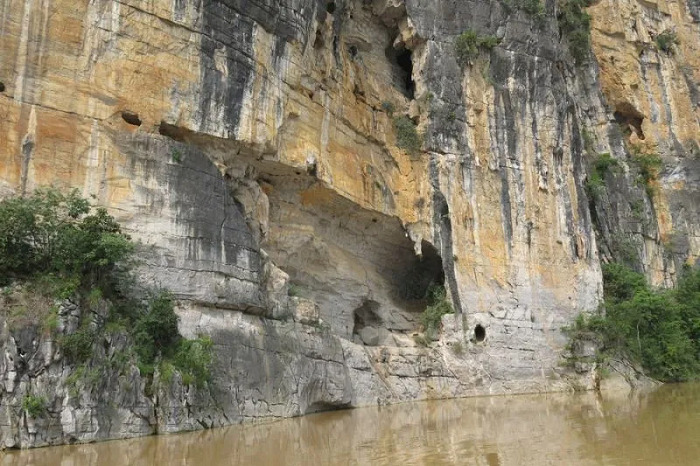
[629, 118]
[479, 333]
[422, 272]
[403, 63]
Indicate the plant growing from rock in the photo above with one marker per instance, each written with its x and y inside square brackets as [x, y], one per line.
[649, 165]
[659, 329]
[438, 306]
[666, 40]
[575, 24]
[35, 406]
[58, 246]
[469, 43]
[407, 136]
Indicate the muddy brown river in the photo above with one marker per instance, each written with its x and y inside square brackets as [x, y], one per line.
[657, 428]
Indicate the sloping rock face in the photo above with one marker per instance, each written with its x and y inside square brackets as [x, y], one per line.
[250, 146]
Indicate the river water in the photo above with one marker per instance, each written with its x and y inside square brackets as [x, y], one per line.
[657, 428]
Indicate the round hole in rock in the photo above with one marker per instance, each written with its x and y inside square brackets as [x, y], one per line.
[330, 7]
[479, 333]
[2, 87]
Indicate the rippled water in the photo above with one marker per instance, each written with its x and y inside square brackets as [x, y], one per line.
[657, 428]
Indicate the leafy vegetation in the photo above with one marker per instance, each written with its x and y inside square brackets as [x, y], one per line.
[407, 136]
[601, 167]
[469, 43]
[57, 246]
[666, 40]
[536, 9]
[34, 405]
[659, 329]
[575, 24]
[438, 306]
[649, 166]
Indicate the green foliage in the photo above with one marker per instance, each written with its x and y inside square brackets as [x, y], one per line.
[536, 9]
[155, 331]
[193, 360]
[176, 155]
[660, 329]
[469, 43]
[575, 24]
[34, 405]
[77, 346]
[666, 40]
[602, 166]
[438, 306]
[649, 166]
[61, 247]
[62, 235]
[407, 136]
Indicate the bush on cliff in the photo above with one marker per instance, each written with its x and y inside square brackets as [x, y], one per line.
[469, 43]
[438, 306]
[660, 329]
[575, 24]
[58, 246]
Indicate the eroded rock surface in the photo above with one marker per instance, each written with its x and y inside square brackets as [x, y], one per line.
[249, 145]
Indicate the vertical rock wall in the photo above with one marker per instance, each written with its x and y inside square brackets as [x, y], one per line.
[249, 145]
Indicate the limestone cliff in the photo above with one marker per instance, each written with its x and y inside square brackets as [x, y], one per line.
[250, 146]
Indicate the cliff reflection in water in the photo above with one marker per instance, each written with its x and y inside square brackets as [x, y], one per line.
[657, 428]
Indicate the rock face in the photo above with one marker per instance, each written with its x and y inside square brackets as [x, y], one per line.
[250, 146]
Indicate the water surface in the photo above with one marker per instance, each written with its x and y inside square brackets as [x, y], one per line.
[658, 428]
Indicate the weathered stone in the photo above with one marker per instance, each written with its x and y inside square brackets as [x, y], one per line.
[250, 144]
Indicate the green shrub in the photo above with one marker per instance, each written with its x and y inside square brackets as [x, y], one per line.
[601, 167]
[193, 360]
[649, 166]
[666, 40]
[77, 346]
[438, 306]
[407, 136]
[52, 233]
[660, 329]
[34, 405]
[155, 331]
[61, 247]
[575, 24]
[536, 9]
[468, 44]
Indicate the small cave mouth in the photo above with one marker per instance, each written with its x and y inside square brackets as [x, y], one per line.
[330, 7]
[318, 41]
[423, 272]
[402, 59]
[131, 118]
[2, 86]
[630, 119]
[479, 333]
[366, 316]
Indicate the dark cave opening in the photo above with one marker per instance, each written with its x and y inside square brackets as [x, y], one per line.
[131, 118]
[330, 7]
[404, 64]
[2, 86]
[479, 333]
[423, 272]
[629, 118]
[366, 316]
